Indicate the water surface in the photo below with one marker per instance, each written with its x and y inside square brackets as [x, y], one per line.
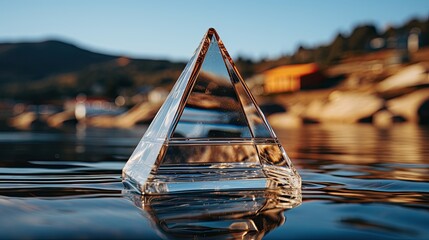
[358, 182]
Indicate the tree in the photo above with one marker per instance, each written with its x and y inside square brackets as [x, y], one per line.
[360, 38]
[337, 48]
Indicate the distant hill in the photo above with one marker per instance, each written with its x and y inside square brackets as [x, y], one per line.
[32, 61]
[54, 69]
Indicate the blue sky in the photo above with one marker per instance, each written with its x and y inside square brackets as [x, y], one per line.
[173, 29]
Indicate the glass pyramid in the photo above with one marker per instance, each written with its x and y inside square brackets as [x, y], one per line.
[209, 134]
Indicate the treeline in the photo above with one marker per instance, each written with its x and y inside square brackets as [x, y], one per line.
[362, 39]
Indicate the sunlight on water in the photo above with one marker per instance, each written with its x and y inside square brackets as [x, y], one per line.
[358, 181]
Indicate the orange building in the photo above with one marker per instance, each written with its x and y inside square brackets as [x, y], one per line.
[292, 78]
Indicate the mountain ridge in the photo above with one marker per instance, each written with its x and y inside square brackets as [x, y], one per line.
[31, 70]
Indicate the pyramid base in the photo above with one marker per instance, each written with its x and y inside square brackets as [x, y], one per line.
[175, 178]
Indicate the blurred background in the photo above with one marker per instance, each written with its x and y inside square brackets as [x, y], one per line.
[111, 63]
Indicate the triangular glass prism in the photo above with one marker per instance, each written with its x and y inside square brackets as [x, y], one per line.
[209, 135]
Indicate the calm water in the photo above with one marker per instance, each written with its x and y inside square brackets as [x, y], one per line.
[358, 182]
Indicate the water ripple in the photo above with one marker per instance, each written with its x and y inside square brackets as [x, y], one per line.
[358, 181]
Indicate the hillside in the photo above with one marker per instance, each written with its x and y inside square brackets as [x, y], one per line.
[32, 61]
[54, 69]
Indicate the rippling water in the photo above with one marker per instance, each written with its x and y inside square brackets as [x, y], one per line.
[358, 182]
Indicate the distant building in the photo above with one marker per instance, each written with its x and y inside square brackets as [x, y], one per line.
[291, 78]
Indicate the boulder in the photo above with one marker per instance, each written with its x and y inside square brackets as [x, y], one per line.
[314, 109]
[349, 107]
[284, 120]
[383, 118]
[410, 76]
[412, 106]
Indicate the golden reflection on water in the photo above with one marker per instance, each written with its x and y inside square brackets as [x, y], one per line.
[399, 152]
[361, 163]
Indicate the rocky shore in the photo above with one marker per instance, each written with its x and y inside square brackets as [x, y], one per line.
[402, 96]
[378, 93]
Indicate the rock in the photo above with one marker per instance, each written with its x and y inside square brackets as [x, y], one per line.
[412, 106]
[314, 109]
[58, 119]
[349, 107]
[383, 118]
[23, 120]
[410, 76]
[284, 120]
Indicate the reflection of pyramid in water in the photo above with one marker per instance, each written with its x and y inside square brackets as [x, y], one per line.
[246, 214]
[209, 134]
